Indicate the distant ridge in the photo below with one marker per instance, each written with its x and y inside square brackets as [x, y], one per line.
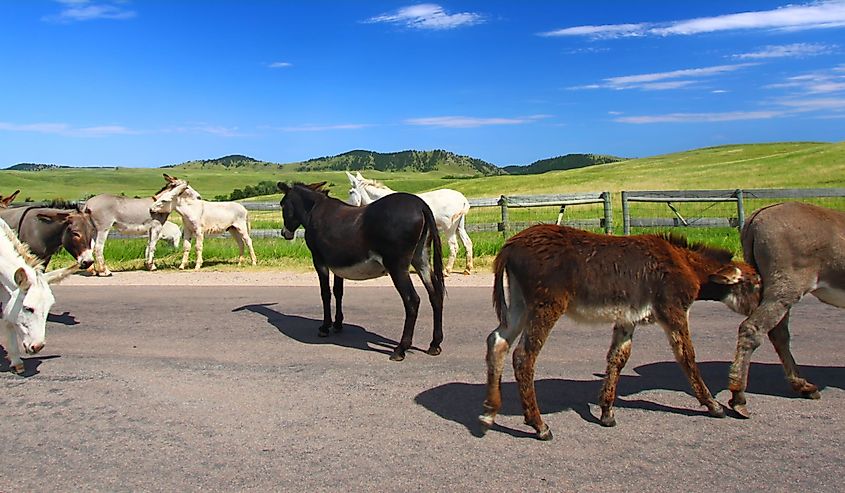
[34, 167]
[401, 161]
[569, 161]
[230, 161]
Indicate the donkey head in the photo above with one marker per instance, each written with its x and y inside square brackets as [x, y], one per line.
[297, 202]
[739, 286]
[30, 300]
[78, 233]
[164, 199]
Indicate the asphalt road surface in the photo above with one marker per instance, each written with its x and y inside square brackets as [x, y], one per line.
[229, 388]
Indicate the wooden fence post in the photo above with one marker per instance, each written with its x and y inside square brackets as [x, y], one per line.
[503, 203]
[740, 208]
[626, 215]
[608, 213]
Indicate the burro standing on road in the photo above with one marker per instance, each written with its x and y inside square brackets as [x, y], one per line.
[798, 249]
[386, 237]
[630, 280]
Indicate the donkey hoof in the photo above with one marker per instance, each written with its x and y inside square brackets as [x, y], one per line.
[717, 411]
[321, 332]
[545, 435]
[815, 395]
[486, 422]
[607, 421]
[434, 350]
[740, 409]
[467, 272]
[397, 356]
[20, 368]
[337, 328]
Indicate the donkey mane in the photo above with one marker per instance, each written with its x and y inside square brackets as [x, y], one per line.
[322, 188]
[21, 248]
[720, 254]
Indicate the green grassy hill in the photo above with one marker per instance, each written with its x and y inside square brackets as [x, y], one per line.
[419, 161]
[775, 165]
[569, 161]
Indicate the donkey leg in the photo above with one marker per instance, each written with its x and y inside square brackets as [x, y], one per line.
[422, 266]
[411, 300]
[499, 343]
[617, 356]
[99, 259]
[676, 326]
[248, 242]
[238, 236]
[337, 326]
[779, 336]
[326, 297]
[186, 248]
[524, 357]
[750, 336]
[200, 238]
[12, 351]
[152, 240]
[452, 241]
[465, 239]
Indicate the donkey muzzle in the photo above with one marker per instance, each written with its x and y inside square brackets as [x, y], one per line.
[288, 235]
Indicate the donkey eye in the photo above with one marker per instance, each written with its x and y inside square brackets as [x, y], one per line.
[29, 309]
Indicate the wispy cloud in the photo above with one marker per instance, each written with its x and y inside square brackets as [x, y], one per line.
[815, 15]
[471, 122]
[656, 81]
[701, 117]
[308, 127]
[280, 65]
[205, 128]
[818, 82]
[795, 50]
[87, 10]
[427, 16]
[67, 130]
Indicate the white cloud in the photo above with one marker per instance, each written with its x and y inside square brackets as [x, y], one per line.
[427, 16]
[308, 127]
[280, 65]
[66, 130]
[795, 50]
[701, 117]
[818, 82]
[86, 10]
[816, 15]
[663, 80]
[471, 122]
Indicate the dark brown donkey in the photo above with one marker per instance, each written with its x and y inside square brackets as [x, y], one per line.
[555, 270]
[7, 201]
[45, 230]
[798, 249]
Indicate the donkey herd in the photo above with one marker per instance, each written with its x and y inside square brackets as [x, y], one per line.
[542, 273]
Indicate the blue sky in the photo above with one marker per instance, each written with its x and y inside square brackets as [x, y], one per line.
[155, 82]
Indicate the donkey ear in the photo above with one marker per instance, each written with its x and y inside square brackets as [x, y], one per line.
[283, 187]
[729, 274]
[317, 187]
[358, 176]
[22, 279]
[170, 179]
[351, 178]
[8, 200]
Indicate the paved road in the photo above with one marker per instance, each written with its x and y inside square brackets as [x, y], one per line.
[210, 388]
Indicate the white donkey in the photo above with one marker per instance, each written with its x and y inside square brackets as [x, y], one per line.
[200, 217]
[25, 296]
[127, 215]
[449, 206]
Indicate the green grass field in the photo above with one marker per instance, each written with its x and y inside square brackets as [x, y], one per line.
[775, 165]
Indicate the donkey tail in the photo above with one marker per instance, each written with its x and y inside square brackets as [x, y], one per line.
[436, 252]
[747, 238]
[499, 303]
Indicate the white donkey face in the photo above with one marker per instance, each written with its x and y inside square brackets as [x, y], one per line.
[164, 200]
[28, 307]
[354, 197]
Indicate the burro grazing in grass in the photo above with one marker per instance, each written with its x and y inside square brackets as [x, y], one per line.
[46, 230]
[7, 201]
[798, 249]
[449, 207]
[127, 215]
[201, 216]
[386, 237]
[628, 280]
[25, 297]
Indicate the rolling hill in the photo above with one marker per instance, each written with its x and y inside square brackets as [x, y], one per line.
[569, 161]
[422, 161]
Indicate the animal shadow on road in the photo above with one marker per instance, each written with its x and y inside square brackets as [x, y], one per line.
[65, 319]
[462, 402]
[30, 364]
[304, 330]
